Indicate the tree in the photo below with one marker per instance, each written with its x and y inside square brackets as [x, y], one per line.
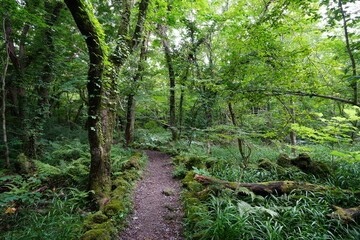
[100, 114]
[3, 105]
[101, 87]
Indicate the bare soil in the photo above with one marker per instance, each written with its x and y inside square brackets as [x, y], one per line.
[157, 210]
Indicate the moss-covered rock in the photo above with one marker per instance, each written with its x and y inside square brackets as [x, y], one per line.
[113, 208]
[97, 217]
[320, 169]
[168, 192]
[188, 178]
[266, 164]
[284, 160]
[303, 161]
[119, 192]
[133, 162]
[93, 220]
[305, 164]
[120, 181]
[193, 161]
[96, 234]
[195, 186]
[131, 175]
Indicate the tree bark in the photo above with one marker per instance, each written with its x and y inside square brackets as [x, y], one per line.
[293, 139]
[171, 71]
[53, 12]
[100, 113]
[130, 119]
[350, 53]
[3, 107]
[131, 105]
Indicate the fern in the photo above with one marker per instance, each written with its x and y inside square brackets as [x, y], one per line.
[46, 168]
[246, 209]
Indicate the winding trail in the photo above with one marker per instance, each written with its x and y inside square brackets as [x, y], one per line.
[157, 210]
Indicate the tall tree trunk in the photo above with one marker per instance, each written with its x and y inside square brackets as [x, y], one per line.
[101, 113]
[53, 12]
[131, 106]
[171, 71]
[3, 107]
[350, 53]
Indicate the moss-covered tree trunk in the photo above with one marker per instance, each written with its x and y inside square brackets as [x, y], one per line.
[272, 187]
[101, 112]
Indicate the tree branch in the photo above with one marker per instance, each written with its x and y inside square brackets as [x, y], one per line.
[299, 93]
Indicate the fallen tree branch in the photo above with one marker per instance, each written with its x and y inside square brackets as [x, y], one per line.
[272, 187]
[347, 215]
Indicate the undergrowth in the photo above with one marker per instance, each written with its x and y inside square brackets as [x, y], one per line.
[223, 214]
[52, 201]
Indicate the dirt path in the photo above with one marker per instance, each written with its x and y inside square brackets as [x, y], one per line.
[157, 214]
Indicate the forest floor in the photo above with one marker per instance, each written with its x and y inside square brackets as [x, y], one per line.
[157, 209]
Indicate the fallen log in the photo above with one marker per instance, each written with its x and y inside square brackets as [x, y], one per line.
[347, 215]
[272, 187]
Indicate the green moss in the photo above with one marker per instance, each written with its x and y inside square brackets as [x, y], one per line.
[180, 159]
[96, 234]
[168, 192]
[114, 208]
[98, 217]
[195, 161]
[133, 162]
[24, 165]
[266, 164]
[109, 226]
[119, 192]
[189, 177]
[284, 160]
[120, 181]
[93, 220]
[303, 161]
[195, 186]
[320, 169]
[131, 175]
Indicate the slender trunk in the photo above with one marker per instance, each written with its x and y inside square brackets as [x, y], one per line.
[172, 101]
[131, 104]
[293, 137]
[130, 119]
[242, 146]
[78, 113]
[3, 108]
[53, 12]
[181, 110]
[351, 56]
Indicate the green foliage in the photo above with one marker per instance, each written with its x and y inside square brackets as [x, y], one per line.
[230, 216]
[58, 220]
[20, 189]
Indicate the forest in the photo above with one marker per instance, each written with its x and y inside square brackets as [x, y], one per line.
[256, 104]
